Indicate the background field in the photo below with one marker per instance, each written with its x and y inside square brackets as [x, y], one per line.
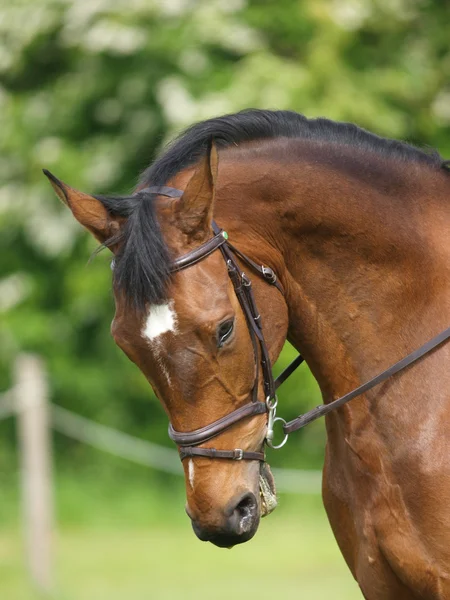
[131, 544]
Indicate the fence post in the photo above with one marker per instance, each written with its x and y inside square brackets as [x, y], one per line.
[33, 429]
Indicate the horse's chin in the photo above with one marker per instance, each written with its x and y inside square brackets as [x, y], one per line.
[267, 490]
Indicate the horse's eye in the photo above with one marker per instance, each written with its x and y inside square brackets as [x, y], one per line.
[224, 332]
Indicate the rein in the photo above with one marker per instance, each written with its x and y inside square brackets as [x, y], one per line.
[188, 441]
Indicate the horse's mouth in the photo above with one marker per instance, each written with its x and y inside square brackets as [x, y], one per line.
[267, 490]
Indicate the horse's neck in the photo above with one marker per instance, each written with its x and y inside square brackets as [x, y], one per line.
[364, 292]
[368, 283]
[366, 274]
[365, 265]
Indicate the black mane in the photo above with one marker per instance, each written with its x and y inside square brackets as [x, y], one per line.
[142, 268]
[254, 124]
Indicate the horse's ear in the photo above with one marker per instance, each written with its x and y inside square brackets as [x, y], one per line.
[196, 205]
[86, 209]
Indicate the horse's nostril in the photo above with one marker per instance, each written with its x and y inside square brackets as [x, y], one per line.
[246, 505]
[244, 514]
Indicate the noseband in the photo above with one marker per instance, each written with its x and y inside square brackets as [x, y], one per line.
[188, 441]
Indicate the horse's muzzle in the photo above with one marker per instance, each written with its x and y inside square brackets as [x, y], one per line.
[240, 522]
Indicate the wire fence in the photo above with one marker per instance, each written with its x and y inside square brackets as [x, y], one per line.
[143, 452]
[115, 442]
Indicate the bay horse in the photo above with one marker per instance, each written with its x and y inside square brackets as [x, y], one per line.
[355, 229]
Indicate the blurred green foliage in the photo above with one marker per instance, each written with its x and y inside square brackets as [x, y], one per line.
[92, 89]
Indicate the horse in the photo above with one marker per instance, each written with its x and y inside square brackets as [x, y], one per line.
[353, 230]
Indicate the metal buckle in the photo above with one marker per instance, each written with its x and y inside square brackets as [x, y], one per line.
[245, 280]
[230, 266]
[239, 454]
[268, 274]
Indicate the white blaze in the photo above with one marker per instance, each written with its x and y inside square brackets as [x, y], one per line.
[161, 319]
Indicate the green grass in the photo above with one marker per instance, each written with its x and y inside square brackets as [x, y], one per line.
[293, 555]
[122, 534]
[287, 560]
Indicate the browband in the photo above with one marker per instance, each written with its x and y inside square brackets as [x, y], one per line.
[200, 252]
[162, 190]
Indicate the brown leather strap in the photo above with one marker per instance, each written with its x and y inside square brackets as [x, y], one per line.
[163, 190]
[203, 434]
[237, 454]
[199, 253]
[266, 272]
[288, 370]
[242, 295]
[243, 289]
[324, 409]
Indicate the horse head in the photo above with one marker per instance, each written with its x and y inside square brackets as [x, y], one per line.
[188, 333]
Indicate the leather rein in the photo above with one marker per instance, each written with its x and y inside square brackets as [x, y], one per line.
[188, 441]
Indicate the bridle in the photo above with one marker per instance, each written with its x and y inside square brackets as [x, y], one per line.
[243, 290]
[188, 441]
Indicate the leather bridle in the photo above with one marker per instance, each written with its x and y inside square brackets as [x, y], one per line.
[188, 441]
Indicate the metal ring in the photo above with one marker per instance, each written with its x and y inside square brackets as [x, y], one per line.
[271, 405]
[286, 435]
